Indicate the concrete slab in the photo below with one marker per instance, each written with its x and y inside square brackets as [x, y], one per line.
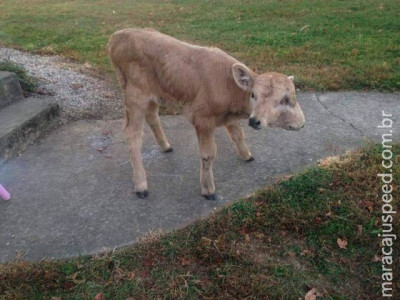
[69, 198]
[363, 111]
[10, 89]
[22, 122]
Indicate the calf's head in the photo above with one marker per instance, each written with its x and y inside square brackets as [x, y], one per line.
[273, 99]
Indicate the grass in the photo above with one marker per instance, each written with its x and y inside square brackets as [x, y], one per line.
[277, 244]
[327, 45]
[28, 83]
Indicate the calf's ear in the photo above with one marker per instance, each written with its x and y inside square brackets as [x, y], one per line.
[242, 77]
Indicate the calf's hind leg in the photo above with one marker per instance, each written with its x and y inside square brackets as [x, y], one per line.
[153, 120]
[135, 108]
[237, 136]
[208, 151]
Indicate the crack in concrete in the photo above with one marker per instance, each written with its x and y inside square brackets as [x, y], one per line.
[339, 117]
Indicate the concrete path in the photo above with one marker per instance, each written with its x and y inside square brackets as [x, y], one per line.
[69, 198]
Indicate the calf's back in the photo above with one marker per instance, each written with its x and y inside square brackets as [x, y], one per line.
[160, 65]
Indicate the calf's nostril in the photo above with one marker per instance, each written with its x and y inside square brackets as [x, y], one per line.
[253, 122]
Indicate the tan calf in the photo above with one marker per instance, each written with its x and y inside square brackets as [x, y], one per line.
[213, 88]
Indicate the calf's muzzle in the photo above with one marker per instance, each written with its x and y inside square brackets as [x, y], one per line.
[253, 122]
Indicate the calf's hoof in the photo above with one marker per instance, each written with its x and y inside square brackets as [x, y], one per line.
[211, 197]
[143, 194]
[250, 159]
[170, 149]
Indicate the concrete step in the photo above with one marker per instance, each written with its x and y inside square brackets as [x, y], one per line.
[22, 122]
[10, 89]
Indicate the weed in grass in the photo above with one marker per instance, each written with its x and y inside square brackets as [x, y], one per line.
[28, 83]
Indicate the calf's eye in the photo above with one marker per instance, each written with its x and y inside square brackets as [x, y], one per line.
[252, 96]
[285, 100]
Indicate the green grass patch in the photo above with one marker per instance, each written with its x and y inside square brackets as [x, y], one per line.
[277, 244]
[327, 45]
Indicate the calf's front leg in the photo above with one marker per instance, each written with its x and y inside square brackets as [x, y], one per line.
[208, 151]
[237, 136]
[153, 120]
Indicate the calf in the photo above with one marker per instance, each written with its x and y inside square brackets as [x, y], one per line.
[213, 88]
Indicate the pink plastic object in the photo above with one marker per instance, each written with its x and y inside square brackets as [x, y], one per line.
[4, 194]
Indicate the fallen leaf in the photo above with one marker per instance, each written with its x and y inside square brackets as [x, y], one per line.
[186, 261]
[247, 238]
[145, 273]
[148, 262]
[242, 231]
[291, 254]
[287, 177]
[48, 50]
[342, 243]
[205, 241]
[87, 65]
[68, 285]
[99, 296]
[369, 206]
[259, 235]
[360, 228]
[377, 258]
[171, 285]
[344, 260]
[42, 91]
[76, 281]
[130, 276]
[76, 85]
[311, 295]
